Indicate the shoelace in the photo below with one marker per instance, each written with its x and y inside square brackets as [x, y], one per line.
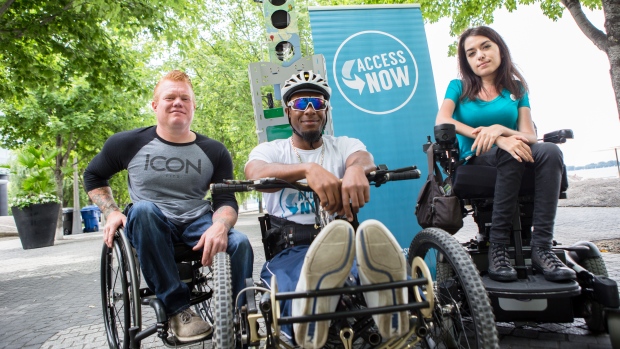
[186, 316]
[549, 258]
[500, 255]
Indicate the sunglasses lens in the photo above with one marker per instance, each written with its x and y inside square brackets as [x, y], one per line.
[302, 103]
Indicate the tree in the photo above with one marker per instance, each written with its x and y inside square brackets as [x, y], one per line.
[469, 13]
[46, 43]
[75, 119]
[231, 37]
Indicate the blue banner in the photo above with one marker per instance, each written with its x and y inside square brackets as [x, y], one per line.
[379, 68]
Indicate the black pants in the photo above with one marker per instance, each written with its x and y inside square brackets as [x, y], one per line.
[548, 164]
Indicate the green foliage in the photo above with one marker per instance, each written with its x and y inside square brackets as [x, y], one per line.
[33, 177]
[232, 37]
[470, 13]
[46, 43]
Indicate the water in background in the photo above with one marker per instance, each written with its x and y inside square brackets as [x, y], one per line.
[602, 172]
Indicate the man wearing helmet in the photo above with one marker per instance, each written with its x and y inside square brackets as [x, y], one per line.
[335, 168]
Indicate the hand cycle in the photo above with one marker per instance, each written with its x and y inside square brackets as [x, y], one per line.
[352, 321]
[377, 178]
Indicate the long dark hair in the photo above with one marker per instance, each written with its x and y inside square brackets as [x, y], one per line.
[507, 73]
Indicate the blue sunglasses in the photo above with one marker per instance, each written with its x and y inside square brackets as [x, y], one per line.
[302, 103]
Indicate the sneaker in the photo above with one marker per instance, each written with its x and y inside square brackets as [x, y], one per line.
[380, 259]
[500, 268]
[189, 327]
[327, 264]
[545, 261]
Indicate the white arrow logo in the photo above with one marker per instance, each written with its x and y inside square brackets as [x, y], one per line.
[357, 84]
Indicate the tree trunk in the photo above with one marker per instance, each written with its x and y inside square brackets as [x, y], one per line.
[59, 186]
[611, 9]
[606, 41]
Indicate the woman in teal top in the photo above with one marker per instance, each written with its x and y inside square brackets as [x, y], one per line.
[491, 111]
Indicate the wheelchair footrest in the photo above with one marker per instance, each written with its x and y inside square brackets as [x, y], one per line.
[353, 313]
[351, 289]
[172, 342]
[534, 286]
[532, 299]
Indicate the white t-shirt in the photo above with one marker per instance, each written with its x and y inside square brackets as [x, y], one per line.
[292, 204]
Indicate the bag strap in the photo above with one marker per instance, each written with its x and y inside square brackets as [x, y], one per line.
[432, 166]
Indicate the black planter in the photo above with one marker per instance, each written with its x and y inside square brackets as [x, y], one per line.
[36, 224]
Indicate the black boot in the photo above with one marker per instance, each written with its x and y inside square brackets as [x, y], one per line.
[545, 261]
[499, 263]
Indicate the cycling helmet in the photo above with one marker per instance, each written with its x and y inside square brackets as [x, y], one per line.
[305, 81]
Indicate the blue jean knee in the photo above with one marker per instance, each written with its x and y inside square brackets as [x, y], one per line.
[151, 234]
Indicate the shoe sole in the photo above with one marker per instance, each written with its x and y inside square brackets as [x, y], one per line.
[324, 270]
[193, 338]
[502, 278]
[380, 259]
[554, 277]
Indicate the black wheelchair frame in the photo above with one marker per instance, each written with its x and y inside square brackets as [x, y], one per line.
[122, 296]
[352, 324]
[593, 296]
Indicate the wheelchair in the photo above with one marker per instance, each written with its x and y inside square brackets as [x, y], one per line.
[257, 322]
[460, 269]
[122, 296]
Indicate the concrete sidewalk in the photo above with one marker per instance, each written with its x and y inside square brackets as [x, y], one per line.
[50, 297]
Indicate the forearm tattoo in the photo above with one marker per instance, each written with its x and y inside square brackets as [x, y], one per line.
[102, 197]
[225, 215]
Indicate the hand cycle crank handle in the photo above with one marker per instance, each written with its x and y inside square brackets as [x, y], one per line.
[400, 176]
[221, 188]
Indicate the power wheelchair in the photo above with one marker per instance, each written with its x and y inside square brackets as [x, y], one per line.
[530, 299]
[257, 322]
[123, 296]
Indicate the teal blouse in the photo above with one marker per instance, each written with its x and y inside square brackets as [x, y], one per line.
[503, 110]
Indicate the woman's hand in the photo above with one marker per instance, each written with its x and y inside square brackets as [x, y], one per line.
[517, 147]
[485, 137]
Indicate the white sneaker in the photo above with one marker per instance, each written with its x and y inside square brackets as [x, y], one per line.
[327, 265]
[380, 259]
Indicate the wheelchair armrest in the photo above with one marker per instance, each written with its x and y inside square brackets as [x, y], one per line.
[559, 136]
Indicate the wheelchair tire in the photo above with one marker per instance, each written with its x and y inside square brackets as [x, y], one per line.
[463, 316]
[223, 335]
[596, 321]
[116, 290]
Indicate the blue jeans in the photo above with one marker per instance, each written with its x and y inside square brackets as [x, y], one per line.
[548, 165]
[153, 236]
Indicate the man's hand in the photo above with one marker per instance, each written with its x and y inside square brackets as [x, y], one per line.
[486, 137]
[102, 197]
[517, 147]
[212, 241]
[115, 220]
[326, 186]
[355, 190]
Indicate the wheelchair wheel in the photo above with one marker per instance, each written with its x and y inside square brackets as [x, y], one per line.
[117, 291]
[223, 336]
[204, 308]
[596, 319]
[462, 316]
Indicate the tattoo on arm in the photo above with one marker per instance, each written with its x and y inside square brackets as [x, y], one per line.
[225, 215]
[102, 197]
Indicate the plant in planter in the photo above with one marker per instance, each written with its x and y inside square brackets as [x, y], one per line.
[35, 205]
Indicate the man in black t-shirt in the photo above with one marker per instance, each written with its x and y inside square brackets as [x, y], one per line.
[169, 170]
